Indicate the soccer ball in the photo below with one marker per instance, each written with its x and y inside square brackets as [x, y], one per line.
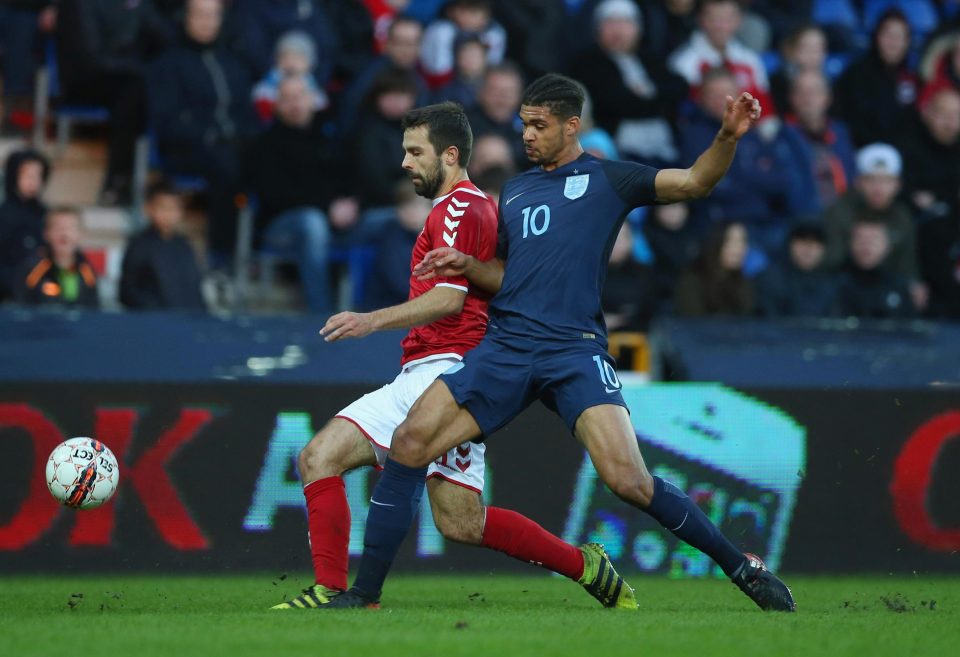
[82, 473]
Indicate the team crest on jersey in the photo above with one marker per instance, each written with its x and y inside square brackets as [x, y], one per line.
[576, 186]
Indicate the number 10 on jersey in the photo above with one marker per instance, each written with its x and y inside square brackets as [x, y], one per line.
[536, 220]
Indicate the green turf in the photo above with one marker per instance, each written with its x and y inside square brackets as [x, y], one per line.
[493, 616]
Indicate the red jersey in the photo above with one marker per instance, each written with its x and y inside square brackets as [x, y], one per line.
[465, 219]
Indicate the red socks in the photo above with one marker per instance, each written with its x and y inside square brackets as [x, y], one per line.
[523, 539]
[328, 518]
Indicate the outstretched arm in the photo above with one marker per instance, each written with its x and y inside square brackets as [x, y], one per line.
[430, 306]
[673, 185]
[448, 262]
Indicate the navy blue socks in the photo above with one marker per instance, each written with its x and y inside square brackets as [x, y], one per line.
[393, 505]
[672, 508]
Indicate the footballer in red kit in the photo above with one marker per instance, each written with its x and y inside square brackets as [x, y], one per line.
[465, 217]
[447, 317]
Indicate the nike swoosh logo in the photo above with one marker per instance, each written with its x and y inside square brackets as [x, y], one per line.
[513, 197]
[373, 501]
[608, 391]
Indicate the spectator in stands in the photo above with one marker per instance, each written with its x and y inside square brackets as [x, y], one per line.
[490, 151]
[22, 213]
[295, 57]
[533, 28]
[800, 286]
[497, 109]
[629, 296]
[873, 197]
[667, 26]
[939, 256]
[943, 66]
[783, 16]
[294, 170]
[469, 71]
[200, 110]
[22, 22]
[353, 26]
[491, 180]
[102, 49]
[714, 45]
[674, 244]
[59, 274]
[866, 287]
[159, 269]
[715, 283]
[804, 49]
[379, 138]
[931, 155]
[822, 149]
[633, 96]
[260, 23]
[460, 17]
[402, 50]
[594, 139]
[390, 280]
[764, 187]
[874, 91]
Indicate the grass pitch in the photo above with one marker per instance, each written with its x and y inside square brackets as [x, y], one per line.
[493, 616]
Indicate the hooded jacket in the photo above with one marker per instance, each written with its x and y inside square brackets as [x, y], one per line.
[21, 220]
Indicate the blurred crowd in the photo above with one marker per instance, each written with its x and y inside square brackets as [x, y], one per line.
[843, 201]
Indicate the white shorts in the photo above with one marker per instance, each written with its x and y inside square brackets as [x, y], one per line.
[378, 413]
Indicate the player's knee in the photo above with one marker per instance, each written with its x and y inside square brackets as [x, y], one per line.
[633, 488]
[315, 461]
[408, 447]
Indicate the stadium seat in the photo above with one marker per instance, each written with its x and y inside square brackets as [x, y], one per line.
[772, 61]
[836, 12]
[359, 260]
[65, 114]
[184, 182]
[836, 63]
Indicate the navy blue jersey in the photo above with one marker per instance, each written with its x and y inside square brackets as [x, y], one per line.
[556, 231]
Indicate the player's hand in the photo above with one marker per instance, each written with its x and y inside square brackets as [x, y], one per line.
[347, 325]
[444, 262]
[740, 116]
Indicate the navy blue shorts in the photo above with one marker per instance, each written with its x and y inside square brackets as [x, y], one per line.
[503, 375]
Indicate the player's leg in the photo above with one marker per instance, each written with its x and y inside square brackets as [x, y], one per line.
[337, 448]
[435, 424]
[471, 399]
[461, 516]
[606, 432]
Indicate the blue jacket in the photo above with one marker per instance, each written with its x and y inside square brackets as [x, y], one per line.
[837, 137]
[768, 180]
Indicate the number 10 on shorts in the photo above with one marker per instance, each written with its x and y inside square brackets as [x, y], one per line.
[608, 375]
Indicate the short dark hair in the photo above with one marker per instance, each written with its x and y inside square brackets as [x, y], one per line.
[392, 79]
[808, 231]
[161, 187]
[562, 95]
[447, 126]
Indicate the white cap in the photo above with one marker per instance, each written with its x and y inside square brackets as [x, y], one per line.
[878, 159]
[609, 9]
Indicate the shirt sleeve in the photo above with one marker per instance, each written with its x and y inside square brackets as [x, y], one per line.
[634, 183]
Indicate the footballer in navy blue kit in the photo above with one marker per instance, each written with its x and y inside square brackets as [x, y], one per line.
[546, 337]
[555, 235]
